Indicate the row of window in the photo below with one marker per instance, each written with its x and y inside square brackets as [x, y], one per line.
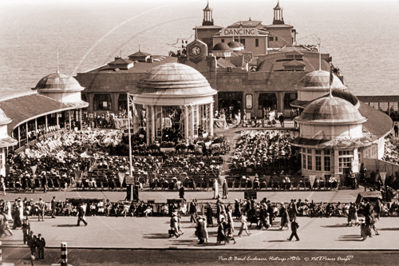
[384, 106]
[103, 102]
[243, 41]
[344, 161]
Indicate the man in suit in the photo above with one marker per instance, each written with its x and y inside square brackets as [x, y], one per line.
[53, 207]
[292, 210]
[41, 244]
[294, 229]
[41, 209]
[81, 214]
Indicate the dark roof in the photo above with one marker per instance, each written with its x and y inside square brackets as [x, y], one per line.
[279, 26]
[245, 24]
[139, 54]
[225, 63]
[139, 67]
[27, 107]
[379, 98]
[120, 61]
[208, 27]
[378, 123]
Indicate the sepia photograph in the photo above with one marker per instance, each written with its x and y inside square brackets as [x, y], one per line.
[199, 132]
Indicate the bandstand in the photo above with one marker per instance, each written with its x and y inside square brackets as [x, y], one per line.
[173, 101]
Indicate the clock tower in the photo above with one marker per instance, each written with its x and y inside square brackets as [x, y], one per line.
[197, 51]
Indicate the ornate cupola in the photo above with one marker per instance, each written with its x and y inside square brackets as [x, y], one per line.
[208, 19]
[278, 15]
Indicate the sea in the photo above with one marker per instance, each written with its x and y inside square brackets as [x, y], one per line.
[37, 36]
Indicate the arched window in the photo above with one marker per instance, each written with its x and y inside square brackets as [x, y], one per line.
[102, 102]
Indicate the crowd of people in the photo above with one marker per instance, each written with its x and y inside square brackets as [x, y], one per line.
[264, 151]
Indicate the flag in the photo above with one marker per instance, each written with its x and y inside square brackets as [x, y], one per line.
[312, 179]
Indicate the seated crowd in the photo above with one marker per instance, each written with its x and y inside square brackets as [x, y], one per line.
[80, 159]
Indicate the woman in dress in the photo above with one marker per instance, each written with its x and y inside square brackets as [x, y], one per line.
[284, 217]
[215, 188]
[209, 218]
[201, 231]
[221, 237]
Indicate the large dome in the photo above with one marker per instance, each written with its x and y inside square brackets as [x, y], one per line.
[4, 119]
[174, 79]
[331, 110]
[320, 79]
[58, 82]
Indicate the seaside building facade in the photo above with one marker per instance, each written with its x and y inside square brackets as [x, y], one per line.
[247, 77]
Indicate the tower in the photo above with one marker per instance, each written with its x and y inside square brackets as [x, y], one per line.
[208, 20]
[278, 15]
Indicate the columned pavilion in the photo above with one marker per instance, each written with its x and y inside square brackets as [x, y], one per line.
[173, 98]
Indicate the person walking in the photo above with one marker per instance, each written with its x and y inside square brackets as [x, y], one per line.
[181, 192]
[81, 214]
[292, 210]
[25, 229]
[53, 207]
[32, 244]
[41, 208]
[174, 225]
[396, 129]
[225, 189]
[209, 215]
[201, 231]
[294, 229]
[41, 244]
[3, 185]
[193, 211]
[244, 226]
[215, 189]
[284, 217]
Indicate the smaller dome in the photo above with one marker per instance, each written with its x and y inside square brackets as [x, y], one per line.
[4, 119]
[57, 82]
[221, 46]
[320, 79]
[331, 110]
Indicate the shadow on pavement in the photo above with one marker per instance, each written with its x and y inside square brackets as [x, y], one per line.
[156, 236]
[388, 229]
[278, 240]
[64, 225]
[334, 226]
[350, 238]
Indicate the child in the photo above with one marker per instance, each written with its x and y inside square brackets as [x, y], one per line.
[294, 228]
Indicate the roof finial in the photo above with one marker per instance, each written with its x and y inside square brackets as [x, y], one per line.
[139, 47]
[58, 69]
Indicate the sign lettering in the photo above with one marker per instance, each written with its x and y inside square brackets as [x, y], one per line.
[239, 32]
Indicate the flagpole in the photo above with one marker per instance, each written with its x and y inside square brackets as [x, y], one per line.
[330, 81]
[130, 139]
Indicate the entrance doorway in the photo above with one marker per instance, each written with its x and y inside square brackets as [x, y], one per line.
[267, 101]
[230, 103]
